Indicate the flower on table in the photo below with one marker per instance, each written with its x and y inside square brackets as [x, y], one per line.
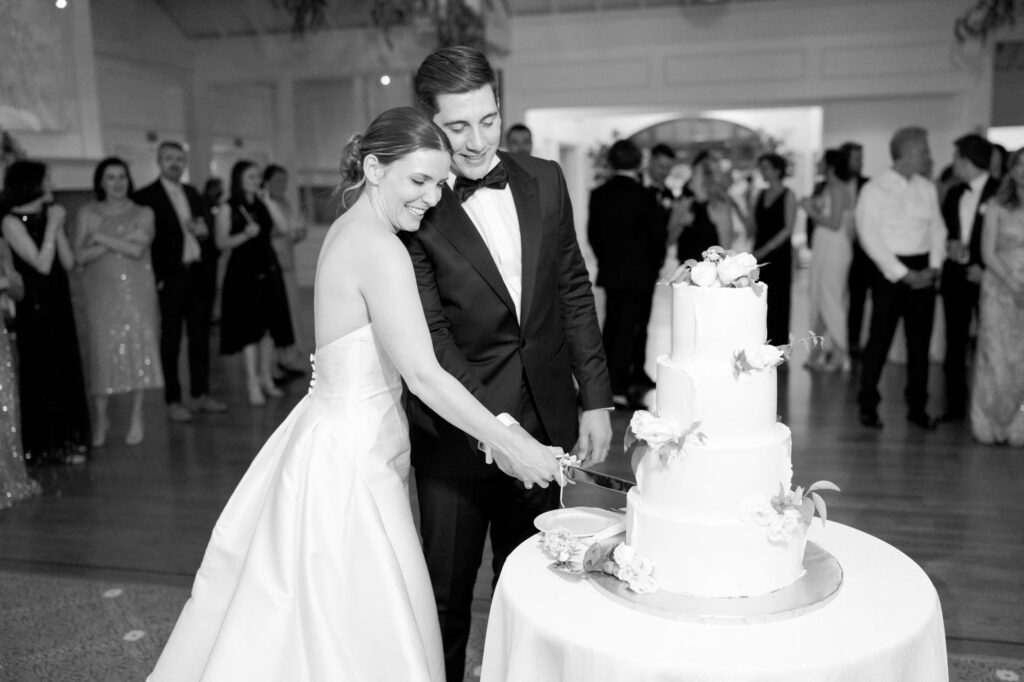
[623, 562]
[560, 544]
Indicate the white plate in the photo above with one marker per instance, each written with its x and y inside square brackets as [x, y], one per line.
[580, 521]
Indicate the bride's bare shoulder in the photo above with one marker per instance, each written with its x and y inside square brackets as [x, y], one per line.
[356, 241]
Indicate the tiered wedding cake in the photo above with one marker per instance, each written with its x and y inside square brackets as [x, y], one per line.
[712, 508]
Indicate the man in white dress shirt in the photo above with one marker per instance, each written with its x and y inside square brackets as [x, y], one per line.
[901, 229]
[508, 301]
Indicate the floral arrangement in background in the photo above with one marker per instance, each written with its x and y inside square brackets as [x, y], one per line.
[720, 268]
[665, 437]
[789, 509]
[766, 356]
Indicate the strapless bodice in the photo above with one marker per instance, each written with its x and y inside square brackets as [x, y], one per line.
[354, 367]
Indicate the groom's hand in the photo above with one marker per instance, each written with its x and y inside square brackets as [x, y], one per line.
[530, 461]
[595, 436]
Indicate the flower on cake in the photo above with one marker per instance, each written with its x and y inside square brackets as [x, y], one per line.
[665, 437]
[789, 509]
[720, 268]
[623, 562]
[766, 356]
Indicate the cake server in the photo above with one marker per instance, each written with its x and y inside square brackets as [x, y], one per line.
[598, 479]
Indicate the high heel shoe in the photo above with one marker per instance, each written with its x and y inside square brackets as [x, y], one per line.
[256, 398]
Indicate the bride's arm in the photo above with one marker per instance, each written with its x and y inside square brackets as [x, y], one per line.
[388, 286]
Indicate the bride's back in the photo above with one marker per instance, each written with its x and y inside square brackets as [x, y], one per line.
[338, 306]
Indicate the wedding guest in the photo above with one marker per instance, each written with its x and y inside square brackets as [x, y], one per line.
[774, 216]
[997, 395]
[212, 271]
[862, 270]
[998, 163]
[15, 483]
[509, 304]
[659, 166]
[626, 230]
[964, 213]
[707, 211]
[901, 229]
[54, 423]
[254, 310]
[182, 281]
[519, 139]
[289, 230]
[112, 244]
[832, 212]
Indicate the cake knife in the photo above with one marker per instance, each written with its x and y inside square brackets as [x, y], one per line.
[598, 479]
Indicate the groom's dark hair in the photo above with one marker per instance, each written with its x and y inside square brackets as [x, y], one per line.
[452, 71]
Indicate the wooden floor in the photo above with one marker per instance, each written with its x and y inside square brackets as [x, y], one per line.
[955, 507]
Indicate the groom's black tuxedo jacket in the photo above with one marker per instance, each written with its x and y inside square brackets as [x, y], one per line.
[473, 322]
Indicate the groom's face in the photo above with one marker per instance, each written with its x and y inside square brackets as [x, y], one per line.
[473, 126]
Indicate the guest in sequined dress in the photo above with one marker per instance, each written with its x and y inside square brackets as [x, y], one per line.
[112, 243]
[54, 412]
[254, 314]
[15, 484]
[997, 397]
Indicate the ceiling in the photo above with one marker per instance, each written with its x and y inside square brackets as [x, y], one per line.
[226, 18]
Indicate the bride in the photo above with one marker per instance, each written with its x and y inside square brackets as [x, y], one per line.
[314, 570]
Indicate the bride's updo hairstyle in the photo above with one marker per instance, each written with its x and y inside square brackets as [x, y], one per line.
[394, 134]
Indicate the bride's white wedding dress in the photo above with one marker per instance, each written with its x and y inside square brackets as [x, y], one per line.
[314, 570]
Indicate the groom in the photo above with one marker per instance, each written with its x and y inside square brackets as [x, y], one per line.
[508, 301]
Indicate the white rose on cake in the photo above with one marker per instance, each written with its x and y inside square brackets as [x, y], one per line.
[705, 274]
[654, 431]
[763, 357]
[734, 267]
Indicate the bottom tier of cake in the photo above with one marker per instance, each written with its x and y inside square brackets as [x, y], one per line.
[734, 559]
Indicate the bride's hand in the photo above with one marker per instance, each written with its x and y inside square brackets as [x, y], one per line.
[526, 459]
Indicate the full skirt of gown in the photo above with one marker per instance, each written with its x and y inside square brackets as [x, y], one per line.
[315, 570]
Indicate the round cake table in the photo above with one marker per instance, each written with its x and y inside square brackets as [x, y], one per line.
[885, 624]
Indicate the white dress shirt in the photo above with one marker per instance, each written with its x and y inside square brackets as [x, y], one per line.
[190, 252]
[969, 206]
[900, 217]
[493, 212]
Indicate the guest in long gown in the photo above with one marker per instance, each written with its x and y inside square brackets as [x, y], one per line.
[54, 412]
[15, 484]
[254, 306]
[997, 398]
[289, 230]
[832, 252]
[774, 216]
[112, 244]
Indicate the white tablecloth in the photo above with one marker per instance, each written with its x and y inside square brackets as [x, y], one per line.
[885, 624]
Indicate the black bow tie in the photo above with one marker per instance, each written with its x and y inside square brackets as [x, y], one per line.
[497, 178]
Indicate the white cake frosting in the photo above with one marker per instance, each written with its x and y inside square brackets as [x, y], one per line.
[689, 514]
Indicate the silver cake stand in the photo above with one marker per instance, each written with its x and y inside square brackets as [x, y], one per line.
[819, 583]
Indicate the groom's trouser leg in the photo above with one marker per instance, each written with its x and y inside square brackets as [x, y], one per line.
[454, 517]
[453, 523]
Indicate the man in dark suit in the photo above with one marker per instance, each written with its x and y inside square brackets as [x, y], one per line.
[177, 254]
[862, 269]
[627, 230]
[509, 305]
[964, 212]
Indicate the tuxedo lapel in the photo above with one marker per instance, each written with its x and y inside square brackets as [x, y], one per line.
[990, 188]
[527, 200]
[451, 221]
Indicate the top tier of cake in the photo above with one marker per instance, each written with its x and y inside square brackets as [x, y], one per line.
[710, 325]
